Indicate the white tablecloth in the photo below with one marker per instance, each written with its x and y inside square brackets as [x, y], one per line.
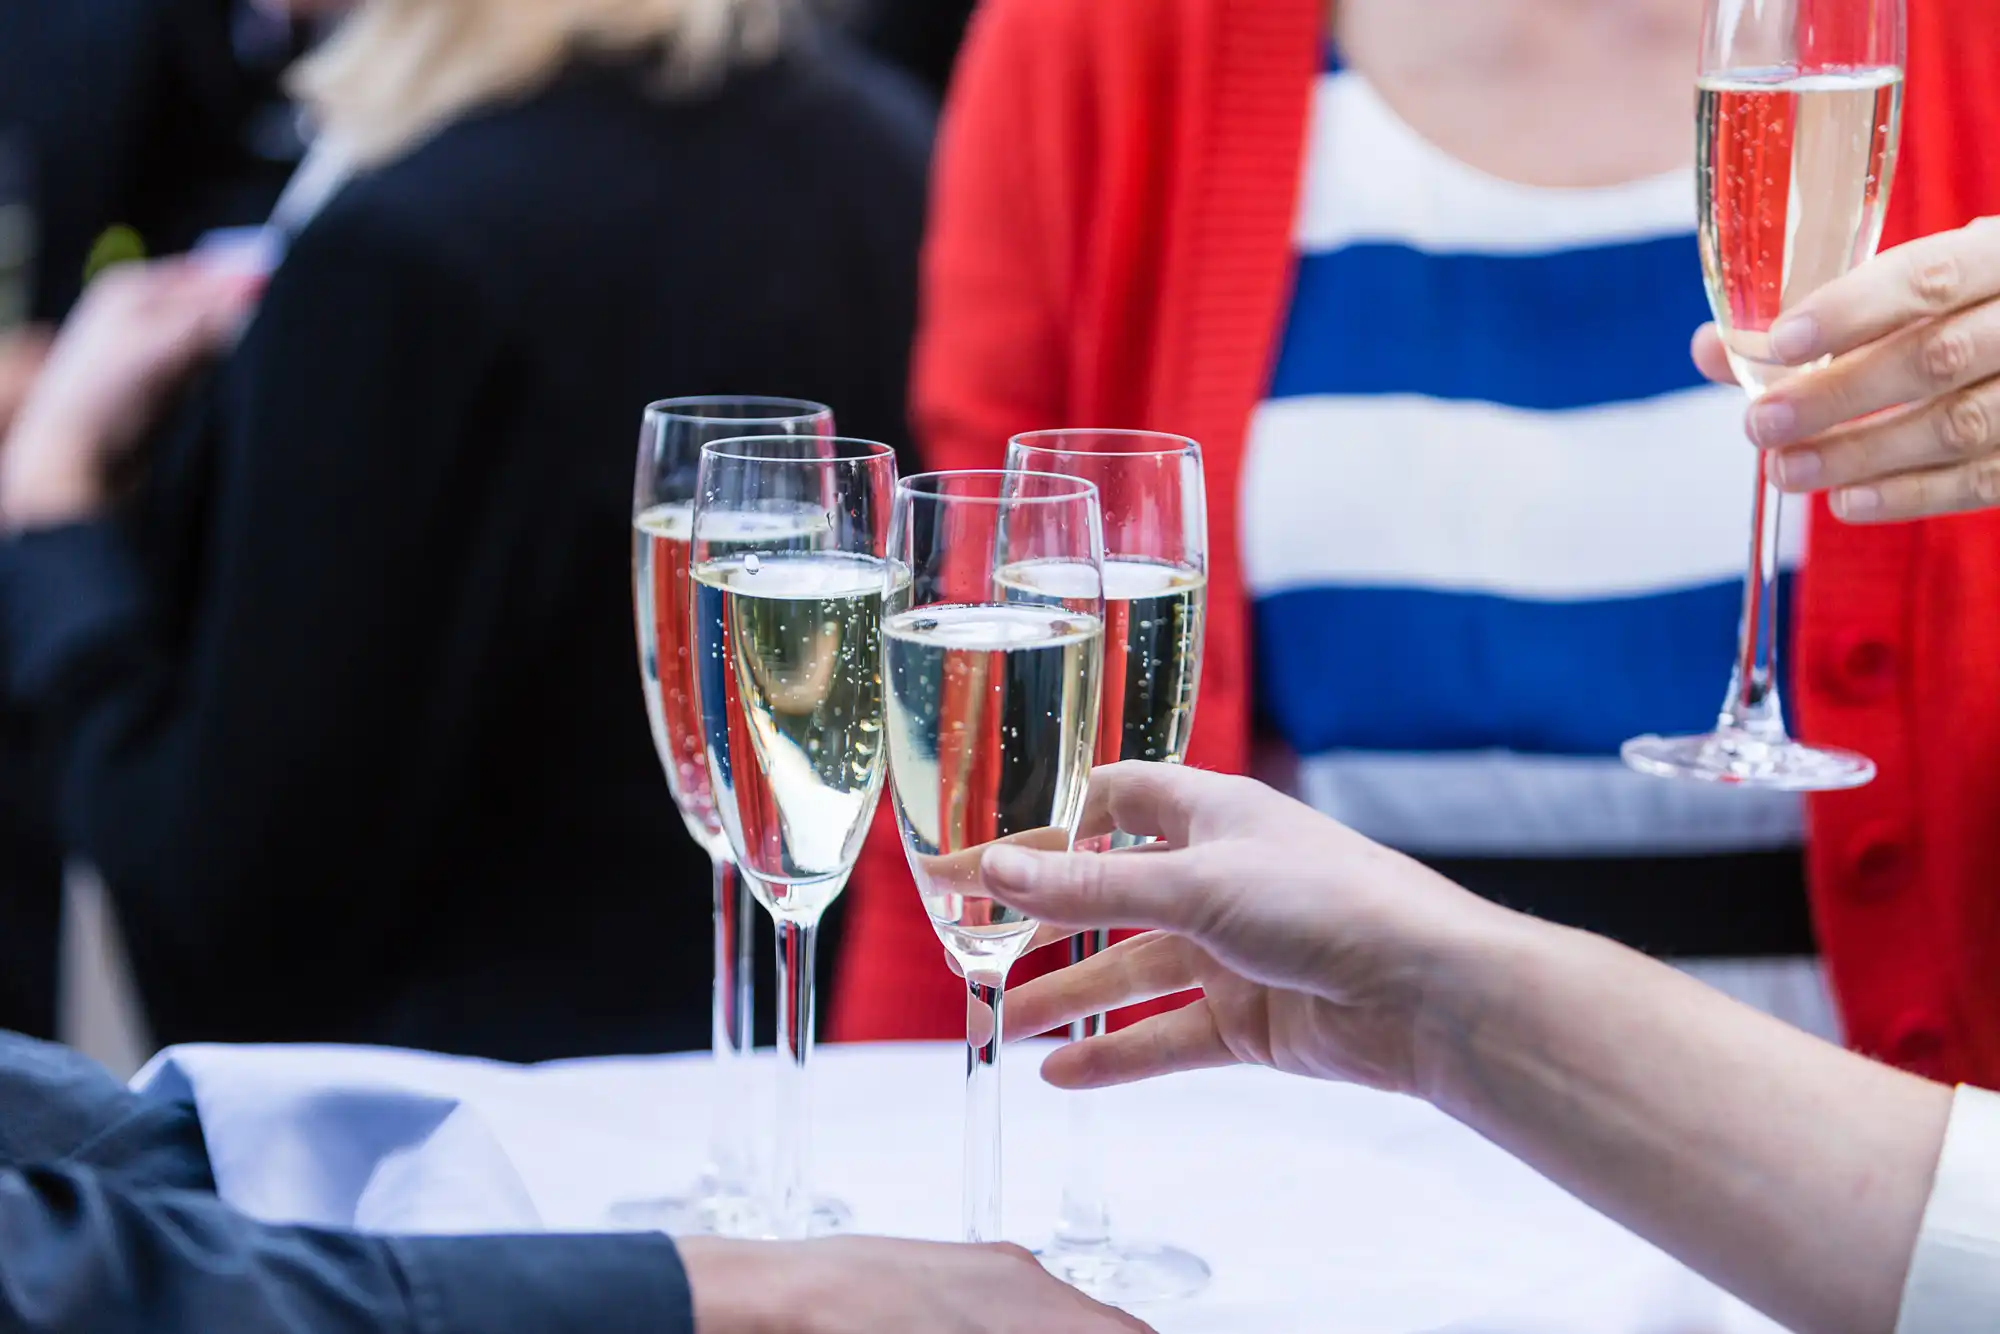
[1323, 1209]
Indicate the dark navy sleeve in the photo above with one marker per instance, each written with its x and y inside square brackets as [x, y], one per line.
[109, 1223]
[629, 1284]
[80, 1253]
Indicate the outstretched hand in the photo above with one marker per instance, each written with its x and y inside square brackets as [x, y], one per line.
[1313, 948]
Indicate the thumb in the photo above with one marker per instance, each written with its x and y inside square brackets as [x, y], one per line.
[1710, 358]
[1135, 888]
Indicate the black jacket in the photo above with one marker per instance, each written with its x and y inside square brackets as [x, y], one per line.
[922, 36]
[111, 1223]
[142, 113]
[348, 712]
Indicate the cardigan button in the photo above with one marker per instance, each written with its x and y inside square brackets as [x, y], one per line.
[1861, 669]
[1880, 859]
[1917, 1044]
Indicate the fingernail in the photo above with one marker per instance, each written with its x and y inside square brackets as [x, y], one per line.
[1772, 421]
[1795, 338]
[1857, 502]
[1798, 469]
[1011, 866]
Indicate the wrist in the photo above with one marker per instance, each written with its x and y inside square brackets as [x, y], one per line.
[741, 1287]
[1473, 1003]
[42, 484]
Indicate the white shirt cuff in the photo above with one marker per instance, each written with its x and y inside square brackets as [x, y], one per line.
[1954, 1283]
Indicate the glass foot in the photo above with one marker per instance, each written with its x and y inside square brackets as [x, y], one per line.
[709, 1214]
[1741, 760]
[716, 1214]
[831, 1217]
[1120, 1275]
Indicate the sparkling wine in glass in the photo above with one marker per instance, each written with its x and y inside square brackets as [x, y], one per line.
[994, 653]
[725, 1202]
[790, 580]
[1798, 113]
[1155, 519]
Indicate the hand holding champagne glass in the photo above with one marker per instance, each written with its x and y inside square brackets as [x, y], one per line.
[1797, 120]
[1899, 417]
[1155, 600]
[725, 1203]
[790, 580]
[994, 647]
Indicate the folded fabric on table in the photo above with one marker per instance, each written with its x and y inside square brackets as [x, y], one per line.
[379, 1141]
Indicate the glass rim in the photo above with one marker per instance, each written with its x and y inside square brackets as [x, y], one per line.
[1182, 444]
[1079, 488]
[876, 450]
[679, 408]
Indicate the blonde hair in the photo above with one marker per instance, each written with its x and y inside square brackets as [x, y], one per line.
[399, 69]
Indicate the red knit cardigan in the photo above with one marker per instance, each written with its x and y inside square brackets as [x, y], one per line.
[1112, 246]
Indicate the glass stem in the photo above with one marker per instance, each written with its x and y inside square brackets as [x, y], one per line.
[982, 1111]
[793, 1145]
[730, 1036]
[744, 1027]
[1753, 707]
[1085, 1221]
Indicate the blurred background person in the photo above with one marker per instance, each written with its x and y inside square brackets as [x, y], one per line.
[343, 703]
[125, 125]
[1476, 517]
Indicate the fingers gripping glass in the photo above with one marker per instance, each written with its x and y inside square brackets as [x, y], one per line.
[994, 648]
[790, 584]
[1798, 115]
[1155, 600]
[725, 1202]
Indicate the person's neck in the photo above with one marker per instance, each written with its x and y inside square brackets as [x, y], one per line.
[1525, 36]
[1565, 93]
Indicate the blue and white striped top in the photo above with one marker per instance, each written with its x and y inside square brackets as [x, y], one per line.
[1494, 521]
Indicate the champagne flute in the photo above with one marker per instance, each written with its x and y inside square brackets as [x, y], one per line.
[1154, 506]
[789, 580]
[724, 1202]
[992, 718]
[1798, 112]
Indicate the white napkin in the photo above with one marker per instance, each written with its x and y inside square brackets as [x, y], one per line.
[376, 1141]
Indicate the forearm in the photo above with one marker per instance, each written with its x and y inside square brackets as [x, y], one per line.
[1787, 1170]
